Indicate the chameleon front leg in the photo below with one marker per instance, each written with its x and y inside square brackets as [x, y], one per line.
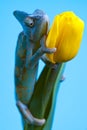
[42, 50]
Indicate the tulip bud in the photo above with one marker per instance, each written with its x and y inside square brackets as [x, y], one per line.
[65, 35]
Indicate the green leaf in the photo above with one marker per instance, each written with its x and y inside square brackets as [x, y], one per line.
[43, 101]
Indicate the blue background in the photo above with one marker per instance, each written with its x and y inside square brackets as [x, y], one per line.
[71, 107]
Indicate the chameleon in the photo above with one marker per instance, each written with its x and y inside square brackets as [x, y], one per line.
[30, 48]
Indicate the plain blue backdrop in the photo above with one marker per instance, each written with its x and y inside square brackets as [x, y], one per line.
[71, 107]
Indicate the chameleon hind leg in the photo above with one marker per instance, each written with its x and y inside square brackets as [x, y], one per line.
[29, 118]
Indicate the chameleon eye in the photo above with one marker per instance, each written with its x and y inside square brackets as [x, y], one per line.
[29, 22]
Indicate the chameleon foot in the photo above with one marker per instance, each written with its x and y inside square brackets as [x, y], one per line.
[28, 116]
[44, 48]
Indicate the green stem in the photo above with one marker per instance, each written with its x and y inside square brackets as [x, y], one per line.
[43, 101]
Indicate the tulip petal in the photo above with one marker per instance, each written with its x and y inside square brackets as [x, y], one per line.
[66, 35]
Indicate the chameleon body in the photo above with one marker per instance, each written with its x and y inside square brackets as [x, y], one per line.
[30, 48]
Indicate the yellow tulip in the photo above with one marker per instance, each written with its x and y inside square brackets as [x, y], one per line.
[66, 35]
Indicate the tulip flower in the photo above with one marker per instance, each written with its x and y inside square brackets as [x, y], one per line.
[65, 35]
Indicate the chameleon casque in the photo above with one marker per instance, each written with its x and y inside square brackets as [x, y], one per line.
[30, 48]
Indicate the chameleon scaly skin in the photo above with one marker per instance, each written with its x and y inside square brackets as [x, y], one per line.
[30, 48]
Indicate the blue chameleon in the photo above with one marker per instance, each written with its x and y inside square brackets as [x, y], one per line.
[30, 48]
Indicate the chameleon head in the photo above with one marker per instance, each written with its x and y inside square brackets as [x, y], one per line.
[34, 25]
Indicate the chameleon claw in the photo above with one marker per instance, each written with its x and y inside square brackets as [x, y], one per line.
[28, 116]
